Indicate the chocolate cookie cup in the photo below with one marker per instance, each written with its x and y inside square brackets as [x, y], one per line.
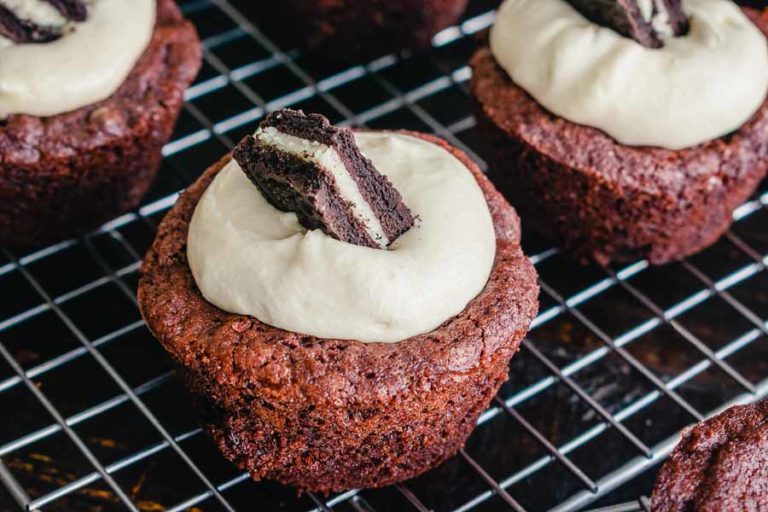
[350, 30]
[328, 414]
[605, 201]
[720, 465]
[63, 175]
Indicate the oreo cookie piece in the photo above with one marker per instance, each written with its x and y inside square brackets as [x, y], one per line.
[24, 31]
[74, 10]
[646, 21]
[303, 164]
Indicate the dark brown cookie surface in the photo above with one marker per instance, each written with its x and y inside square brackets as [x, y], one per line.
[66, 174]
[720, 465]
[604, 201]
[325, 414]
[348, 30]
[23, 31]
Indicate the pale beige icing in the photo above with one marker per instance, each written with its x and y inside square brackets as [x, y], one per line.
[87, 64]
[696, 88]
[249, 258]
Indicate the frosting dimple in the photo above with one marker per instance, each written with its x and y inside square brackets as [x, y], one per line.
[87, 64]
[696, 88]
[249, 258]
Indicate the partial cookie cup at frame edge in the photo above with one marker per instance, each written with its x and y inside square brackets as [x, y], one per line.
[323, 414]
[64, 175]
[720, 464]
[640, 202]
[357, 30]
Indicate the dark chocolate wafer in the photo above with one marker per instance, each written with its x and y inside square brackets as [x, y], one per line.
[646, 21]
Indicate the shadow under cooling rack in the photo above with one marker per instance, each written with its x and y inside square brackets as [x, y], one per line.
[617, 362]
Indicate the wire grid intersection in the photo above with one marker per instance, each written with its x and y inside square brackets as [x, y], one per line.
[617, 362]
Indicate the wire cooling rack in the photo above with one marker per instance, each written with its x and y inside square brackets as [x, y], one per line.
[617, 362]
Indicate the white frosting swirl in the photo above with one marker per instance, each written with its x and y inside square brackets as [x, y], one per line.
[249, 258]
[696, 88]
[87, 64]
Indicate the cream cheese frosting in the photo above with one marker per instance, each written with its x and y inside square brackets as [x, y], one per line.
[87, 64]
[698, 87]
[249, 258]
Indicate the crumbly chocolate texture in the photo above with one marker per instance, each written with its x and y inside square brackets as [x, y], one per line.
[64, 175]
[350, 30]
[626, 17]
[720, 465]
[294, 184]
[604, 201]
[330, 415]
